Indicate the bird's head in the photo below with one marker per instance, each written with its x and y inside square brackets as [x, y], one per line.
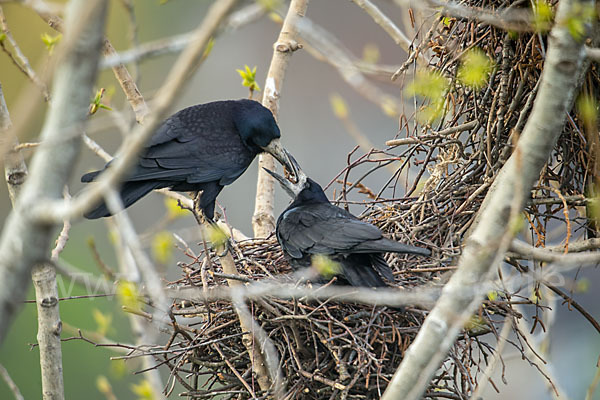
[257, 128]
[304, 191]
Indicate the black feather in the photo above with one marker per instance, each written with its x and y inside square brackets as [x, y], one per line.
[203, 147]
[312, 225]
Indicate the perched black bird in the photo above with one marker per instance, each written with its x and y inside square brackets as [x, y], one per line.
[203, 147]
[312, 225]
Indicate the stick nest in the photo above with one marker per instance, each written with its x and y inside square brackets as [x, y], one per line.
[331, 349]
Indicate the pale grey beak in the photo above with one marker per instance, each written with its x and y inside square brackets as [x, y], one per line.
[293, 189]
[284, 157]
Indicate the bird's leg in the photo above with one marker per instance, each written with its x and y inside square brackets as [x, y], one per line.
[198, 212]
[228, 247]
[203, 220]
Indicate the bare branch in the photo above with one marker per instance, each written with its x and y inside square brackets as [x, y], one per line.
[326, 47]
[546, 367]
[152, 283]
[263, 221]
[15, 170]
[10, 383]
[49, 329]
[19, 59]
[527, 251]
[413, 140]
[485, 247]
[593, 53]
[23, 241]
[131, 239]
[491, 367]
[387, 24]
[510, 19]
[176, 43]
[266, 375]
[391, 297]
[135, 98]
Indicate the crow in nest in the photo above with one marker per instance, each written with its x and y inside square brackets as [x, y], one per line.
[312, 226]
[200, 148]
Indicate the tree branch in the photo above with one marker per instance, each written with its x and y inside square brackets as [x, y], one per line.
[264, 361]
[10, 383]
[43, 276]
[129, 241]
[322, 45]
[49, 329]
[263, 221]
[542, 254]
[24, 241]
[485, 246]
[385, 23]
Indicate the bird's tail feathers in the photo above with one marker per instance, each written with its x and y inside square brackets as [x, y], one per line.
[130, 193]
[90, 176]
[381, 266]
[385, 245]
[361, 275]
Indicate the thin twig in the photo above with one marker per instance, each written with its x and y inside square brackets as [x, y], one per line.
[10, 383]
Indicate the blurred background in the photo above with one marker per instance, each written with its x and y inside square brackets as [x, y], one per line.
[310, 129]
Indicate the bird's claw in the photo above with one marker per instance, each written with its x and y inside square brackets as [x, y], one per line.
[227, 247]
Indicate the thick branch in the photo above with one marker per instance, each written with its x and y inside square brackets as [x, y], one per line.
[24, 241]
[49, 329]
[542, 254]
[43, 276]
[263, 221]
[129, 244]
[485, 246]
[260, 348]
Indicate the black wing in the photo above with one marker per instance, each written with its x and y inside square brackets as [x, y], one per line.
[322, 229]
[198, 144]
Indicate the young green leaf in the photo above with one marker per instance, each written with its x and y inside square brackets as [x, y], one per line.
[217, 236]
[103, 321]
[249, 78]
[174, 210]
[270, 5]
[339, 106]
[162, 247]
[542, 16]
[325, 266]
[128, 295]
[209, 47]
[143, 390]
[371, 53]
[475, 69]
[427, 84]
[50, 41]
[96, 102]
[588, 110]
[576, 21]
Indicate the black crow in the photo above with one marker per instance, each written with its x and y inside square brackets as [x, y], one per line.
[203, 147]
[311, 225]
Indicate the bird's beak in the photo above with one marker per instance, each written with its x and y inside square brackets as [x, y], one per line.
[293, 189]
[284, 157]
